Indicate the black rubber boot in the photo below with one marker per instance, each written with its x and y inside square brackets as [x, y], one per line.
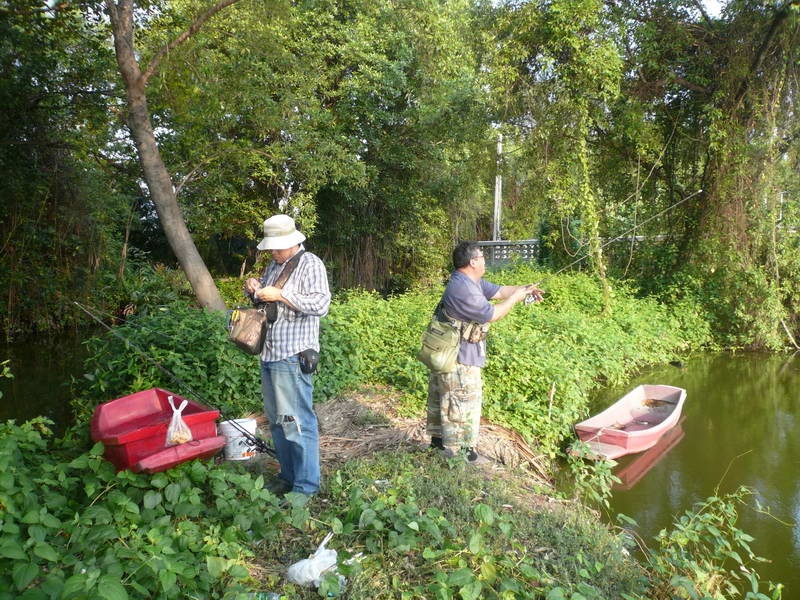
[437, 443]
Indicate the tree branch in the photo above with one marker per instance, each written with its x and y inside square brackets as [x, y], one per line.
[780, 16]
[193, 28]
[701, 8]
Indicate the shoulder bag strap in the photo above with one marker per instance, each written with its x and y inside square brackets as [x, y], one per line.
[288, 270]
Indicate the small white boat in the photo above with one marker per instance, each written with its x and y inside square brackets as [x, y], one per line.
[633, 423]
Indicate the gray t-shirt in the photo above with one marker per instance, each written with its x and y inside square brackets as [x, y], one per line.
[466, 300]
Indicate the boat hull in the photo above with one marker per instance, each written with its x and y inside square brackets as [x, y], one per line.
[634, 423]
[632, 473]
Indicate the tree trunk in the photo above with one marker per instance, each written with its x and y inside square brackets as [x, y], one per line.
[158, 179]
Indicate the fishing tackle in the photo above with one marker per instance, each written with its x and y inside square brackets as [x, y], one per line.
[530, 299]
[252, 440]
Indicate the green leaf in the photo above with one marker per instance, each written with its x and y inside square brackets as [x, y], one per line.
[488, 572]
[172, 492]
[111, 588]
[471, 591]
[238, 571]
[460, 578]
[336, 526]
[159, 480]
[10, 548]
[97, 449]
[429, 553]
[556, 593]
[37, 533]
[46, 551]
[75, 586]
[168, 579]
[23, 574]
[50, 521]
[475, 542]
[31, 517]
[367, 517]
[529, 572]
[151, 499]
[216, 566]
[484, 514]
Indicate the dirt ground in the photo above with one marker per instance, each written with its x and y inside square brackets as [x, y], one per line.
[367, 422]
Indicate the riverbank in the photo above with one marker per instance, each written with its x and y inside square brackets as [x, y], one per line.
[415, 525]
[426, 527]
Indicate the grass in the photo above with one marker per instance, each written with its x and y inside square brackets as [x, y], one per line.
[427, 527]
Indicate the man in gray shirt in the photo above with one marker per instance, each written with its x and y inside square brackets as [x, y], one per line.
[454, 399]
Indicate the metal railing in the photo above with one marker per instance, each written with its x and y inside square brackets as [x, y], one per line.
[503, 251]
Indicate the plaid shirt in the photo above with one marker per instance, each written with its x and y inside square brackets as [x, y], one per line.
[307, 290]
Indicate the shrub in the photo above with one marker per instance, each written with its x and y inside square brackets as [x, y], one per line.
[705, 555]
[73, 528]
[181, 349]
[431, 529]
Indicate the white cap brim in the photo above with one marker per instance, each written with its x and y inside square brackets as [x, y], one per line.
[281, 242]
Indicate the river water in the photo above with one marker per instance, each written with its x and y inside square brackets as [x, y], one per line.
[43, 370]
[740, 427]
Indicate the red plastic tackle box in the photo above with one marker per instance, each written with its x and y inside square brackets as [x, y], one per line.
[133, 430]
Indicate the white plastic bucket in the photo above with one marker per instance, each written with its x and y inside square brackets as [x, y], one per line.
[238, 447]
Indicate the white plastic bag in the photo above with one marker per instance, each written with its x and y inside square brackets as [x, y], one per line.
[178, 431]
[310, 571]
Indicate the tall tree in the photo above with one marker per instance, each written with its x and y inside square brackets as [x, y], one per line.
[159, 181]
[61, 199]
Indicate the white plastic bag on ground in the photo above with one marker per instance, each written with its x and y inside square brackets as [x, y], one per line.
[310, 571]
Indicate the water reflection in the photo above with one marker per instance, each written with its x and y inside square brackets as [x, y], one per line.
[639, 465]
[43, 368]
[740, 428]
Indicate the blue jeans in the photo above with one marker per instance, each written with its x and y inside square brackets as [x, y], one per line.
[288, 403]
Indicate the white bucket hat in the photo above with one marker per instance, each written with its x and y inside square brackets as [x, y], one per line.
[280, 233]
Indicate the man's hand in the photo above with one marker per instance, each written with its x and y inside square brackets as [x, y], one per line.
[533, 293]
[251, 285]
[519, 293]
[269, 294]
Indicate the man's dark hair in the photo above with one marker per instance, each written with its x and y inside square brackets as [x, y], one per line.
[464, 252]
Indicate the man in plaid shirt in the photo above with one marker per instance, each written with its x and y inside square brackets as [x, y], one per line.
[286, 363]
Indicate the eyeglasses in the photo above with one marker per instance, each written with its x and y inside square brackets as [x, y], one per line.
[477, 256]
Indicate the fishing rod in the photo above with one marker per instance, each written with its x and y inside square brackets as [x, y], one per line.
[252, 440]
[612, 240]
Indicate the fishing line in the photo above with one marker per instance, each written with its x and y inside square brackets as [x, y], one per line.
[254, 441]
[623, 234]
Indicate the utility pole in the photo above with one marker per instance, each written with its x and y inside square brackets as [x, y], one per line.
[498, 190]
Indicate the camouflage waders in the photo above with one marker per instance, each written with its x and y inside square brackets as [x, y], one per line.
[454, 406]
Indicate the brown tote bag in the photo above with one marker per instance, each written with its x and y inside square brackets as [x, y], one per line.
[248, 326]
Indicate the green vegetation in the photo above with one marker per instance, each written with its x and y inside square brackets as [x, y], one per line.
[706, 555]
[544, 360]
[73, 528]
[375, 123]
[406, 525]
[426, 527]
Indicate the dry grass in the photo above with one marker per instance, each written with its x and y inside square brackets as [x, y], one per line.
[368, 422]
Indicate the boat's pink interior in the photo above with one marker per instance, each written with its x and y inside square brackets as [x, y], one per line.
[635, 412]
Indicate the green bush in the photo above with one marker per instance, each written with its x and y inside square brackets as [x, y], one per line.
[181, 349]
[430, 529]
[705, 555]
[70, 527]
